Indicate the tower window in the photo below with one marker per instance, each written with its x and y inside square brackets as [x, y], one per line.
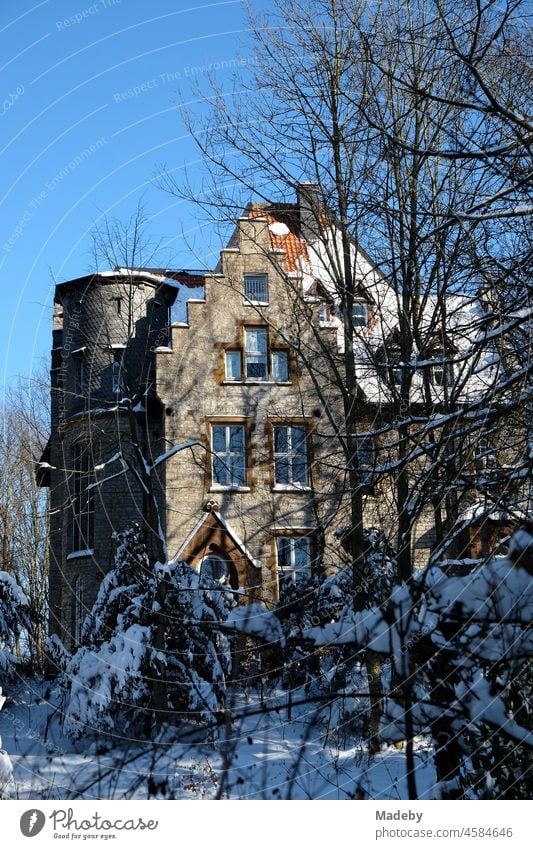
[78, 609]
[78, 359]
[82, 501]
[118, 383]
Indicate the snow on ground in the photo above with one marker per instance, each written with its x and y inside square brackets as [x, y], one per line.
[260, 756]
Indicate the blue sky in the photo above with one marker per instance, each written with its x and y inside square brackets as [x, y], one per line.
[87, 114]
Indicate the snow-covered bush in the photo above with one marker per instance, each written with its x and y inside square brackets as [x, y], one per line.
[198, 653]
[461, 655]
[6, 771]
[13, 618]
[6, 767]
[111, 678]
[460, 649]
[319, 601]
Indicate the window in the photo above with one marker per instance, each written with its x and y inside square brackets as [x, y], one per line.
[441, 372]
[214, 568]
[290, 455]
[365, 462]
[280, 366]
[392, 369]
[117, 370]
[396, 373]
[229, 462]
[294, 559]
[256, 288]
[78, 609]
[256, 353]
[359, 314]
[323, 312]
[485, 455]
[437, 375]
[260, 364]
[82, 501]
[78, 358]
[233, 365]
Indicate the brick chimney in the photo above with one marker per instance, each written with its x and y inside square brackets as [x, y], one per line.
[308, 195]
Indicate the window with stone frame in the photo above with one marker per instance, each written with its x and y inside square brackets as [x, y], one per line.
[233, 365]
[255, 289]
[291, 456]
[256, 353]
[261, 362]
[485, 459]
[228, 443]
[293, 559]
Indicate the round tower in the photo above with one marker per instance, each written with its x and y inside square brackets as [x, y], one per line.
[107, 327]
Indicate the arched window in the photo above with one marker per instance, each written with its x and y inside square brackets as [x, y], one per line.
[215, 568]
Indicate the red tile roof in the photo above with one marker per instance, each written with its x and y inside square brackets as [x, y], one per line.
[293, 245]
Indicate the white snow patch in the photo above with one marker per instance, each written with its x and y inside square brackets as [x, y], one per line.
[279, 229]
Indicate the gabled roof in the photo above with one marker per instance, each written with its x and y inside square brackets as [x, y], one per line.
[188, 542]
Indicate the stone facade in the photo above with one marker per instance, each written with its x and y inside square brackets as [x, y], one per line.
[241, 373]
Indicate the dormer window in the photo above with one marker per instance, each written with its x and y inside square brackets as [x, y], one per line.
[323, 312]
[396, 373]
[359, 314]
[256, 289]
[391, 367]
[440, 373]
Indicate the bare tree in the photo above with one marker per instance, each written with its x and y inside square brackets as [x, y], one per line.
[24, 507]
[417, 147]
